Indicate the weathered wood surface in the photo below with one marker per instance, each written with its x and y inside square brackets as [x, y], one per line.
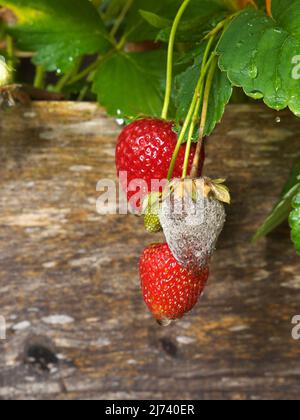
[60, 258]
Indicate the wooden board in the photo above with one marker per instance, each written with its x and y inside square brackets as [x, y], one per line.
[77, 326]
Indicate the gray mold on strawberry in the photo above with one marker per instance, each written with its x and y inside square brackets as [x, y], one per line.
[192, 219]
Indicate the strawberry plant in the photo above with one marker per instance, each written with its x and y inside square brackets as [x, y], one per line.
[168, 69]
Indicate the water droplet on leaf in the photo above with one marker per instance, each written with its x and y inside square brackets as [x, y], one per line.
[253, 71]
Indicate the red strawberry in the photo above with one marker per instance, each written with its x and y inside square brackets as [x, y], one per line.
[144, 150]
[169, 290]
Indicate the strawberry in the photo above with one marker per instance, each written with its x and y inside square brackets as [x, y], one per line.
[5, 72]
[151, 207]
[144, 150]
[169, 290]
[192, 216]
[152, 222]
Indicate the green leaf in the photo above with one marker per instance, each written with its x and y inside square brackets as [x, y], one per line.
[59, 31]
[281, 211]
[287, 14]
[192, 30]
[198, 16]
[258, 54]
[294, 221]
[194, 26]
[279, 214]
[221, 91]
[294, 178]
[155, 20]
[112, 9]
[131, 84]
[185, 85]
[219, 97]
[137, 29]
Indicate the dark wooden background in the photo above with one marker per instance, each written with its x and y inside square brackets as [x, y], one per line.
[77, 324]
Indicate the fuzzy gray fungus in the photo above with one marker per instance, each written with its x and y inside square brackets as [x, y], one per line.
[192, 228]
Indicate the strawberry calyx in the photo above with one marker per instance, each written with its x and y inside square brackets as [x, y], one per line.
[192, 187]
[217, 188]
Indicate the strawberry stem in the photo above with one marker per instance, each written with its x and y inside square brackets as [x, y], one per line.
[209, 81]
[39, 77]
[120, 18]
[269, 7]
[199, 93]
[176, 22]
[219, 28]
[188, 119]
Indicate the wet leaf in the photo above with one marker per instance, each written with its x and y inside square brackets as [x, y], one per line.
[281, 211]
[258, 54]
[59, 31]
[130, 84]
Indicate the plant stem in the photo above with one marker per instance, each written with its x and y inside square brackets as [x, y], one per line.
[39, 77]
[97, 3]
[120, 18]
[269, 7]
[220, 26]
[10, 55]
[176, 22]
[84, 73]
[62, 82]
[197, 108]
[83, 93]
[209, 81]
[188, 119]
[191, 132]
[253, 4]
[66, 77]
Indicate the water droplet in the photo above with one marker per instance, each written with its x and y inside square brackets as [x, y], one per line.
[278, 120]
[278, 30]
[277, 84]
[164, 322]
[253, 71]
[120, 121]
[256, 94]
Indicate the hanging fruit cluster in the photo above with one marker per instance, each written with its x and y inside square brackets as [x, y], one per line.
[190, 208]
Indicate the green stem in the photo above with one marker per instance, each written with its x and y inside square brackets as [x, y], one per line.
[65, 79]
[39, 77]
[218, 28]
[84, 73]
[197, 108]
[9, 47]
[62, 82]
[209, 82]
[176, 22]
[188, 119]
[121, 17]
[10, 55]
[191, 132]
[83, 93]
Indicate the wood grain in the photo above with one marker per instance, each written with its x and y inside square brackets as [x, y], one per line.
[77, 325]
